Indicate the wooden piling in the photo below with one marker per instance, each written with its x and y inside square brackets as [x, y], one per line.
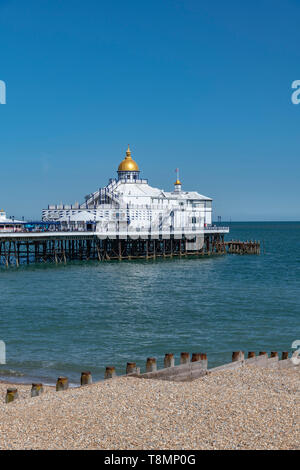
[251, 354]
[196, 357]
[169, 360]
[62, 384]
[285, 355]
[238, 356]
[110, 372]
[86, 378]
[263, 353]
[185, 358]
[151, 364]
[36, 389]
[203, 360]
[131, 368]
[11, 395]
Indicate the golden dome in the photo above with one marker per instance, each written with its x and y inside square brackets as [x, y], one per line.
[177, 182]
[128, 164]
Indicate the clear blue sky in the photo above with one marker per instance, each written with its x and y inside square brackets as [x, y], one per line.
[200, 85]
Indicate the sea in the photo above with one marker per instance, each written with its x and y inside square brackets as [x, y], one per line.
[83, 316]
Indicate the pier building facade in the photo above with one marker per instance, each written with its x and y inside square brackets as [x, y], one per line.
[129, 208]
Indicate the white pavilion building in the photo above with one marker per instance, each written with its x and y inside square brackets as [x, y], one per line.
[129, 208]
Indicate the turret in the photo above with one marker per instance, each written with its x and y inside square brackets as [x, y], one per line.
[128, 168]
[177, 184]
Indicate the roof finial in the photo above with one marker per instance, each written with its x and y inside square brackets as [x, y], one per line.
[177, 182]
[128, 152]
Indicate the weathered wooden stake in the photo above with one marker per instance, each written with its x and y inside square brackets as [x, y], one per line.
[274, 354]
[263, 353]
[196, 357]
[62, 384]
[203, 359]
[11, 395]
[185, 358]
[86, 378]
[285, 355]
[151, 365]
[110, 372]
[238, 356]
[36, 390]
[251, 354]
[169, 360]
[131, 368]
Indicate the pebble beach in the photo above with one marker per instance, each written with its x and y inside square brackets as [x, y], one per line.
[247, 408]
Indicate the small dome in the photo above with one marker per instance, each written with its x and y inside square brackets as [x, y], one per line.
[128, 164]
[177, 182]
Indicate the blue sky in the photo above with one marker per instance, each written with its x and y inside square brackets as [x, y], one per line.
[200, 85]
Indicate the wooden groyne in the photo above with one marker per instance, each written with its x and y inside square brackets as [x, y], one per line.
[191, 367]
[62, 247]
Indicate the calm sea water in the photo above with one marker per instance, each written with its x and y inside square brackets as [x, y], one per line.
[63, 320]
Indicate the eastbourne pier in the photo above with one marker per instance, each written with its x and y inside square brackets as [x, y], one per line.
[126, 219]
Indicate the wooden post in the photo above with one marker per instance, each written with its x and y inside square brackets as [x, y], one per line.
[238, 356]
[27, 252]
[196, 357]
[36, 390]
[185, 358]
[131, 368]
[251, 354]
[16, 255]
[169, 360]
[285, 355]
[110, 372]
[151, 365]
[11, 395]
[263, 353]
[62, 384]
[203, 360]
[86, 378]
[120, 250]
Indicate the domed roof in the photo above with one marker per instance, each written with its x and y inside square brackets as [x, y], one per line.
[128, 164]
